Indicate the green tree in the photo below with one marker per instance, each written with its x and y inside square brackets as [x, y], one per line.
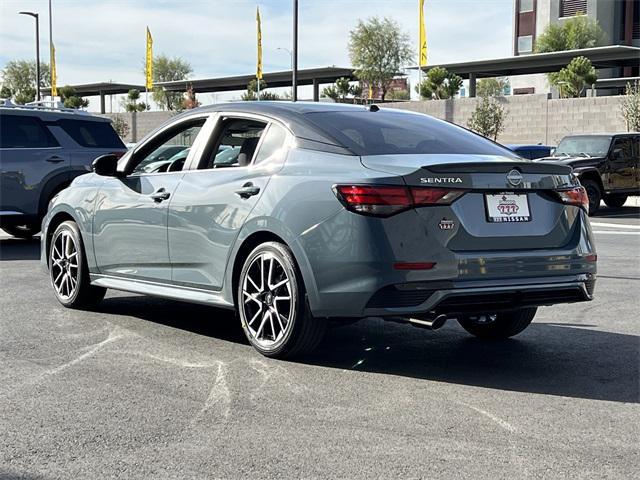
[341, 91]
[251, 93]
[492, 87]
[439, 84]
[399, 95]
[167, 69]
[70, 99]
[378, 49]
[572, 34]
[630, 107]
[488, 118]
[120, 125]
[132, 104]
[19, 78]
[572, 79]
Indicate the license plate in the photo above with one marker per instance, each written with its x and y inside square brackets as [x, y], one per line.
[507, 207]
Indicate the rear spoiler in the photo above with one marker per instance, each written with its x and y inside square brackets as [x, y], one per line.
[500, 167]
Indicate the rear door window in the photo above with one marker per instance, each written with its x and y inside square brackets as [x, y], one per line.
[91, 134]
[21, 131]
[236, 144]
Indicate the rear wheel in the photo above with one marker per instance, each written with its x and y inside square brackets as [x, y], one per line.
[498, 325]
[272, 304]
[68, 269]
[21, 231]
[615, 201]
[594, 194]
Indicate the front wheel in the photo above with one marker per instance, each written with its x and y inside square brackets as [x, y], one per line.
[594, 194]
[498, 325]
[68, 269]
[272, 304]
[615, 201]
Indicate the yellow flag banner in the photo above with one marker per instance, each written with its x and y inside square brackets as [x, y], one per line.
[54, 74]
[149, 61]
[259, 66]
[423, 37]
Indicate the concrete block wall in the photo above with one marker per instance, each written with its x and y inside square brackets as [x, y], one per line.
[530, 118]
[143, 123]
[533, 118]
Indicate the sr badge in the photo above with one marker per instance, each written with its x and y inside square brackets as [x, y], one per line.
[446, 224]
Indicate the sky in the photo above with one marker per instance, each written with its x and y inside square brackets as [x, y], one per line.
[102, 40]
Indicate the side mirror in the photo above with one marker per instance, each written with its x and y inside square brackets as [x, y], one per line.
[552, 151]
[106, 165]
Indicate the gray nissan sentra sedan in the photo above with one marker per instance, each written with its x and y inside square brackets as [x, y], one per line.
[295, 214]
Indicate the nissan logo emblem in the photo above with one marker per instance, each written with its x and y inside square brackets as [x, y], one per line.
[514, 177]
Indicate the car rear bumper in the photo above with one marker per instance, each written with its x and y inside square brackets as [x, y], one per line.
[450, 297]
[479, 296]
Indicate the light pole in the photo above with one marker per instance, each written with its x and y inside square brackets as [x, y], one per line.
[290, 62]
[35, 15]
[294, 63]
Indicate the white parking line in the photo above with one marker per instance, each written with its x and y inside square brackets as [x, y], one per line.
[612, 232]
[616, 225]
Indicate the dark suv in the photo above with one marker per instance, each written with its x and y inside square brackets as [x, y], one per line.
[42, 150]
[608, 165]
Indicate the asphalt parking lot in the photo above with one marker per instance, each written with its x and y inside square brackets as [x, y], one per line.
[149, 388]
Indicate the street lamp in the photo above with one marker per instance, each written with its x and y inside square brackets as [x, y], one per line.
[35, 15]
[294, 62]
[290, 63]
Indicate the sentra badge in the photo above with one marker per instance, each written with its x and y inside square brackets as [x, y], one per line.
[435, 180]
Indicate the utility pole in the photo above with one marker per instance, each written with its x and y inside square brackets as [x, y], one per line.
[50, 46]
[35, 15]
[294, 67]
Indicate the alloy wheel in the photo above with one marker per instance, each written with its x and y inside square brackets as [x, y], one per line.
[64, 265]
[267, 300]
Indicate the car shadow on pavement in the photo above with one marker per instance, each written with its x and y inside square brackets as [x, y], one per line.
[18, 249]
[548, 358]
[561, 359]
[621, 212]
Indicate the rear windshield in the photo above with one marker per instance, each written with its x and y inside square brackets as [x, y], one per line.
[384, 133]
[92, 134]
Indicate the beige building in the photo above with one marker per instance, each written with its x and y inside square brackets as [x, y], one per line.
[620, 20]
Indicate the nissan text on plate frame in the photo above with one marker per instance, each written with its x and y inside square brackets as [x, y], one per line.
[298, 215]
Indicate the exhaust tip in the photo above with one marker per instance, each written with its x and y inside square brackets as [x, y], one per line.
[431, 323]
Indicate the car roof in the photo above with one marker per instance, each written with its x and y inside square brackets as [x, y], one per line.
[51, 113]
[603, 134]
[294, 115]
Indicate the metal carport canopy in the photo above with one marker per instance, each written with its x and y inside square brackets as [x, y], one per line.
[102, 89]
[310, 76]
[601, 57]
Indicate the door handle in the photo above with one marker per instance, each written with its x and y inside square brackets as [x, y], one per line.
[248, 190]
[55, 159]
[160, 195]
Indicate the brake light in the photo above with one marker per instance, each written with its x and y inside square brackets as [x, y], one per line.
[384, 200]
[575, 196]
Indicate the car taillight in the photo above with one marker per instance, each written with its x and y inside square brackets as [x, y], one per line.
[118, 154]
[575, 196]
[383, 200]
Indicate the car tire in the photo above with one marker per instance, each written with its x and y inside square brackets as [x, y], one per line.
[594, 194]
[499, 325]
[21, 231]
[68, 270]
[272, 304]
[615, 201]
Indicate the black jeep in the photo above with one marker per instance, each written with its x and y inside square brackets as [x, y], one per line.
[607, 165]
